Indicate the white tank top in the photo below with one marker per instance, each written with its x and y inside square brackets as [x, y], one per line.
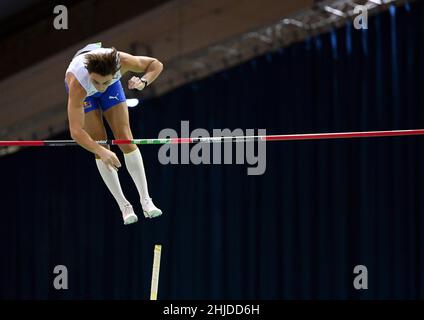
[78, 69]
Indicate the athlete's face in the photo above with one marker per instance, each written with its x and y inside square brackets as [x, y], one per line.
[100, 82]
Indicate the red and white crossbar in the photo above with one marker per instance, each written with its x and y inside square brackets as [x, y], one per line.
[282, 137]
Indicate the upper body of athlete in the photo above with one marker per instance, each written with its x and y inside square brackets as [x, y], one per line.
[87, 77]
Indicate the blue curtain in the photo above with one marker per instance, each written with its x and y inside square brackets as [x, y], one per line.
[295, 232]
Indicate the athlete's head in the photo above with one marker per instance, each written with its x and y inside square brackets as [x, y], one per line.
[102, 67]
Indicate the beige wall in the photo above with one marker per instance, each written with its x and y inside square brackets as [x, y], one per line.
[34, 100]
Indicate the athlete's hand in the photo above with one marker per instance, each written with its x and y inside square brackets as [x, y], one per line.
[136, 83]
[110, 159]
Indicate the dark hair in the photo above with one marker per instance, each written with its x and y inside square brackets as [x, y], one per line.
[103, 64]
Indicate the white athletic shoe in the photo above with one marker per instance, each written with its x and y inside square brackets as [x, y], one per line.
[128, 214]
[149, 209]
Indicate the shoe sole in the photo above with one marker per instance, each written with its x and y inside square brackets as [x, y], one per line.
[152, 214]
[130, 220]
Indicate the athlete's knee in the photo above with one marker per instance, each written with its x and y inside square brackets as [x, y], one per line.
[98, 135]
[127, 148]
[123, 132]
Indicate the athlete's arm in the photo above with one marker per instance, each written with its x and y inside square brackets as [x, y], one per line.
[151, 68]
[76, 124]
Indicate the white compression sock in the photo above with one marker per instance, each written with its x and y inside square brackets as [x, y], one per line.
[134, 164]
[111, 179]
